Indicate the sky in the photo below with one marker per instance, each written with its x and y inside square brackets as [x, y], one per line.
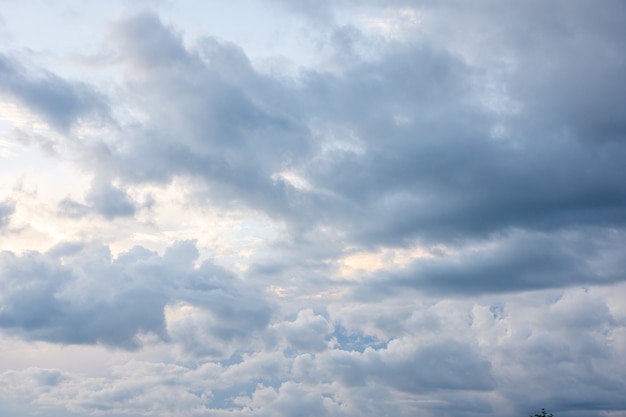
[294, 208]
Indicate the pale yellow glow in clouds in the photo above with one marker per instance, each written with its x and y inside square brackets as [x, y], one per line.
[354, 265]
[394, 23]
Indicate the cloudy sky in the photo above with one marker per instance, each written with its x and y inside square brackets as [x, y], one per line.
[294, 208]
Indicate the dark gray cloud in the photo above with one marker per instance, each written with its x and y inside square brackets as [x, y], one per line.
[517, 263]
[108, 200]
[58, 101]
[79, 295]
[407, 151]
[224, 123]
[441, 174]
[395, 149]
[148, 44]
[425, 163]
[105, 199]
[6, 210]
[43, 300]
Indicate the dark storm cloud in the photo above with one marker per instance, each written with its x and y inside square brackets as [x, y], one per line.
[59, 102]
[78, 295]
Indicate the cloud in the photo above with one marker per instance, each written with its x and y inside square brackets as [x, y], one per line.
[424, 370]
[320, 12]
[446, 211]
[308, 332]
[520, 262]
[148, 44]
[441, 175]
[224, 125]
[59, 102]
[394, 149]
[6, 210]
[77, 294]
[43, 300]
[407, 366]
[110, 201]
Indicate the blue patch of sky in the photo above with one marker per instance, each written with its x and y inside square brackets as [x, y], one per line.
[355, 341]
[234, 359]
[497, 311]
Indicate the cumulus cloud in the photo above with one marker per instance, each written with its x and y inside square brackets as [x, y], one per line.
[44, 300]
[76, 294]
[422, 370]
[308, 332]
